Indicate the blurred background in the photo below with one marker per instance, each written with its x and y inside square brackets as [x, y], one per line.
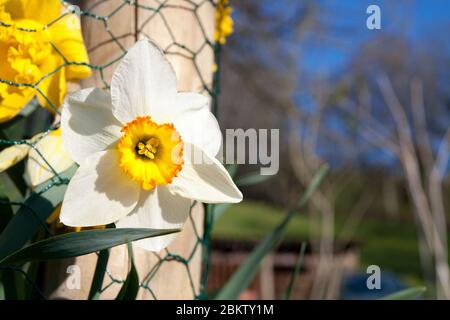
[375, 105]
[372, 104]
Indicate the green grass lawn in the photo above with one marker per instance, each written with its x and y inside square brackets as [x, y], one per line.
[391, 245]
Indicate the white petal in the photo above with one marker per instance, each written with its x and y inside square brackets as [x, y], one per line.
[196, 124]
[87, 123]
[99, 193]
[157, 209]
[186, 101]
[144, 84]
[48, 151]
[12, 155]
[15, 153]
[203, 178]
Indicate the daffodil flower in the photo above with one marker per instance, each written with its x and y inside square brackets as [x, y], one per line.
[58, 228]
[46, 156]
[36, 37]
[136, 148]
[224, 22]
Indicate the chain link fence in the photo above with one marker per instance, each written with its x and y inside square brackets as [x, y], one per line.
[31, 89]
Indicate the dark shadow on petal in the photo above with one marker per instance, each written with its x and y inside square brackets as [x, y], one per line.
[112, 181]
[90, 109]
[176, 209]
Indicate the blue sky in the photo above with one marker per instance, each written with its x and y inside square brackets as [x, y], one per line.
[417, 19]
[422, 22]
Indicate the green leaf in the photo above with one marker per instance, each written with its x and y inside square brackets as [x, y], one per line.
[18, 184]
[32, 215]
[14, 129]
[80, 243]
[241, 279]
[407, 294]
[10, 287]
[130, 287]
[99, 274]
[9, 189]
[294, 274]
[29, 122]
[252, 178]
[6, 213]
[14, 283]
[2, 291]
[232, 169]
[32, 275]
[218, 210]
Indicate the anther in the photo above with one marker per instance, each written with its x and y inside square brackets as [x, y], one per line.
[148, 149]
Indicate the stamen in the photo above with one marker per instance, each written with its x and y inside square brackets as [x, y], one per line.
[148, 149]
[147, 152]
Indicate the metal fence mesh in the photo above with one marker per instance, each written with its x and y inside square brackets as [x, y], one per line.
[33, 119]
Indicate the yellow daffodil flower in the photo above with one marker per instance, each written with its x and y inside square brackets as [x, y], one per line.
[49, 147]
[36, 39]
[224, 22]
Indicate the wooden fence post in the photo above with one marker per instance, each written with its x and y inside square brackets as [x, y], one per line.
[180, 27]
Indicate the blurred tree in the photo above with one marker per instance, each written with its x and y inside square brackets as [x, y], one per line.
[381, 120]
[395, 99]
[260, 67]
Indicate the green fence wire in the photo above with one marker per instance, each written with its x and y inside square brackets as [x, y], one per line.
[33, 119]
